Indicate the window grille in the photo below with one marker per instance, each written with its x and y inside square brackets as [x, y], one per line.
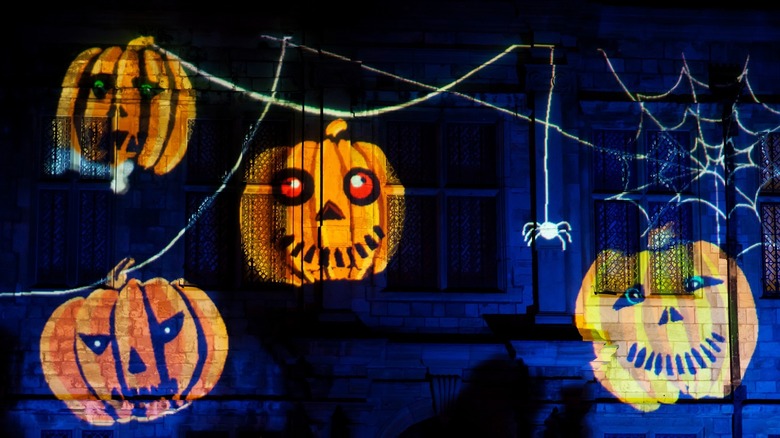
[634, 179]
[450, 220]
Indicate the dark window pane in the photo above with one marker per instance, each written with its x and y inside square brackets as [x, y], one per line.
[267, 135]
[94, 226]
[52, 260]
[56, 434]
[770, 163]
[770, 220]
[208, 151]
[613, 160]
[470, 154]
[669, 167]
[414, 264]
[471, 243]
[411, 149]
[209, 240]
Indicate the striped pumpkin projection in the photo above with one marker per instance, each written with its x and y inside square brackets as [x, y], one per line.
[125, 107]
[133, 352]
[663, 332]
[320, 211]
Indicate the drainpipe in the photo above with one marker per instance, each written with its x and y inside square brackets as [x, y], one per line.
[726, 85]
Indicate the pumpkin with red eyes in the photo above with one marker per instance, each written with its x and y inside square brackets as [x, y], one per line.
[664, 332]
[133, 351]
[126, 106]
[320, 211]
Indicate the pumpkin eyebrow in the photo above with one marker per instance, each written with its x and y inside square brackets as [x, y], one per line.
[696, 282]
[632, 296]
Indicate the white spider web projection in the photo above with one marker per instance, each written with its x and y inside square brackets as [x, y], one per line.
[682, 169]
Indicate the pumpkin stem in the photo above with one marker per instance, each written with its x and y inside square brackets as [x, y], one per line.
[117, 277]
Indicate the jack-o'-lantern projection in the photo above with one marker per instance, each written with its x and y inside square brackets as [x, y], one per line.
[134, 351]
[320, 211]
[663, 333]
[126, 106]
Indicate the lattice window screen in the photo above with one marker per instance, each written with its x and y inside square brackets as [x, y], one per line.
[613, 167]
[97, 434]
[770, 163]
[471, 242]
[52, 255]
[50, 433]
[94, 234]
[414, 262]
[668, 156]
[770, 222]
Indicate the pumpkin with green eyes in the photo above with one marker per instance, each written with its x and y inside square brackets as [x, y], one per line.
[133, 351]
[663, 332]
[126, 107]
[320, 211]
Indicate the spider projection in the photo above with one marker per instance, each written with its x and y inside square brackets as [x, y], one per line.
[704, 160]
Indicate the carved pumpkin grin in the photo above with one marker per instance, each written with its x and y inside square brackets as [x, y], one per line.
[342, 257]
[676, 363]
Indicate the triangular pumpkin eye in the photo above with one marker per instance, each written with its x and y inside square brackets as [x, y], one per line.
[168, 329]
[96, 343]
[697, 282]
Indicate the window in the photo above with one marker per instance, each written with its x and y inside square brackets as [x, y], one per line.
[641, 183]
[770, 214]
[209, 209]
[450, 221]
[74, 205]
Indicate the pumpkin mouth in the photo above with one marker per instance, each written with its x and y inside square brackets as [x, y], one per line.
[340, 257]
[150, 401]
[676, 363]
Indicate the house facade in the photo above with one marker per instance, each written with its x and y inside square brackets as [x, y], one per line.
[484, 218]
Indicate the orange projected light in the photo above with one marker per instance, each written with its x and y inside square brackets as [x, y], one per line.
[320, 207]
[134, 351]
[125, 107]
[662, 332]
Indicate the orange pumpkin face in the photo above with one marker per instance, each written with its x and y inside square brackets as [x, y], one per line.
[137, 353]
[320, 211]
[665, 332]
[126, 107]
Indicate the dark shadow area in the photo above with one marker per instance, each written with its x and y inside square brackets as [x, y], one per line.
[8, 424]
[499, 399]
[567, 423]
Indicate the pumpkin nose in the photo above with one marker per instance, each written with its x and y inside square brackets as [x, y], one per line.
[330, 211]
[670, 314]
[117, 111]
[137, 364]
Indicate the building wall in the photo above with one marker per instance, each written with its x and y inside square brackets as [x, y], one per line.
[339, 357]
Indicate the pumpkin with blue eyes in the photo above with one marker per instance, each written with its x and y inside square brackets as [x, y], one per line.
[320, 211]
[133, 351]
[125, 107]
[659, 323]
